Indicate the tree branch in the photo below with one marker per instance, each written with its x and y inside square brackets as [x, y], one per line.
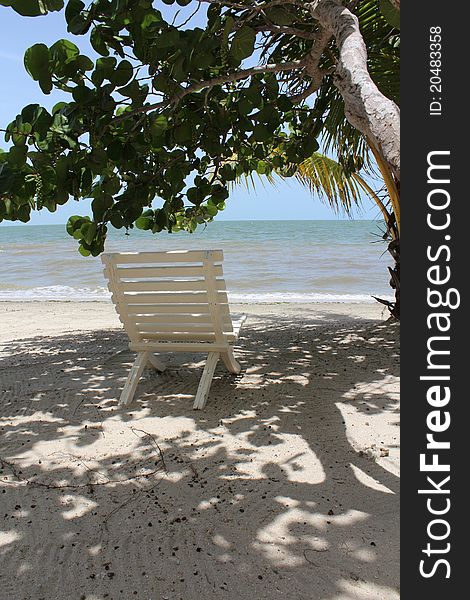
[210, 83]
[312, 68]
[256, 7]
[301, 33]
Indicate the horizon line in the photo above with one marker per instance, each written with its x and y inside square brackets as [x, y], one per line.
[19, 224]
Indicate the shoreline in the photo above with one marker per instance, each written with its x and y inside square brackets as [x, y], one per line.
[56, 316]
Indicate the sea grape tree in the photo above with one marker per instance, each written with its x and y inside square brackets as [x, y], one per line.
[173, 109]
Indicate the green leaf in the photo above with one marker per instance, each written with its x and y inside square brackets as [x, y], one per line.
[111, 185]
[283, 103]
[203, 60]
[37, 64]
[83, 63]
[114, 150]
[227, 172]
[86, 180]
[150, 21]
[6, 178]
[219, 193]
[253, 94]
[244, 106]
[40, 119]
[82, 94]
[58, 107]
[88, 231]
[243, 43]
[309, 145]
[122, 74]
[78, 22]
[23, 213]
[97, 42]
[17, 155]
[134, 91]
[114, 42]
[36, 61]
[280, 16]
[33, 8]
[167, 39]
[54, 5]
[46, 85]
[98, 160]
[27, 8]
[211, 209]
[73, 8]
[100, 205]
[144, 223]
[64, 51]
[74, 223]
[183, 133]
[390, 13]
[194, 195]
[158, 128]
[261, 133]
[100, 145]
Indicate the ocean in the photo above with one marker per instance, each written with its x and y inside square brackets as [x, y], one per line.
[264, 261]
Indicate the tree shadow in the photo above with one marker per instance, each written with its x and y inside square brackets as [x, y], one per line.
[274, 490]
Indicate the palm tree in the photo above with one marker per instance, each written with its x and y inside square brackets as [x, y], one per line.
[342, 181]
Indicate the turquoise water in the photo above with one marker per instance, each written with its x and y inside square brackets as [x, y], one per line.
[265, 261]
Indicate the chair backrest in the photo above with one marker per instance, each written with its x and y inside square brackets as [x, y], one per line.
[174, 296]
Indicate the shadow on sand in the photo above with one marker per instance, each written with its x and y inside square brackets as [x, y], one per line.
[266, 494]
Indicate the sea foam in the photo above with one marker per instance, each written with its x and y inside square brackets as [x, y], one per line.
[71, 294]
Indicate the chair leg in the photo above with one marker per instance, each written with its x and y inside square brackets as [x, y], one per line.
[230, 362]
[156, 364]
[133, 378]
[206, 380]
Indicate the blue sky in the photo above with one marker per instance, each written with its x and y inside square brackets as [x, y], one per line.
[288, 200]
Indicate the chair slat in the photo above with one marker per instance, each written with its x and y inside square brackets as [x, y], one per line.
[169, 271]
[170, 298]
[169, 286]
[195, 328]
[171, 256]
[184, 337]
[157, 309]
[175, 346]
[176, 318]
[177, 327]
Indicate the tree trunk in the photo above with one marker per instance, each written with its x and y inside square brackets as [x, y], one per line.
[393, 307]
[394, 249]
[366, 108]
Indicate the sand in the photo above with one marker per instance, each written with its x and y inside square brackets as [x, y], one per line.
[286, 486]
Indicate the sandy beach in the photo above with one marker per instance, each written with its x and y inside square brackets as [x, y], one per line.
[286, 486]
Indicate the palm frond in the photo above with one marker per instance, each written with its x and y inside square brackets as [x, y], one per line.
[328, 179]
[331, 182]
[248, 180]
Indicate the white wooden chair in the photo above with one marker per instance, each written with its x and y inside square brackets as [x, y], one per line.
[173, 301]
